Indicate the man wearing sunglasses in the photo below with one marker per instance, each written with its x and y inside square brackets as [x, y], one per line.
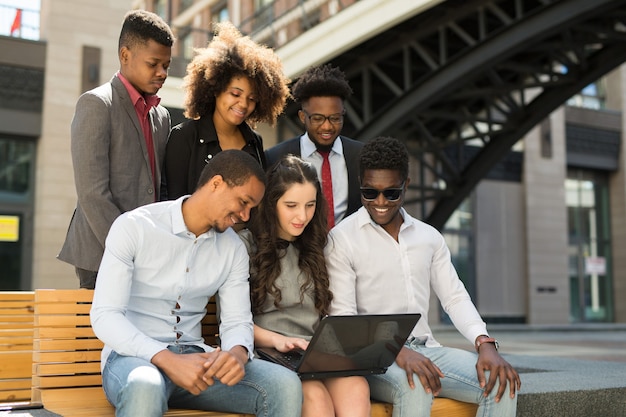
[382, 261]
[321, 93]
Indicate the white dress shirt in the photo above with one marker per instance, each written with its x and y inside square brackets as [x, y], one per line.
[156, 278]
[371, 273]
[338, 171]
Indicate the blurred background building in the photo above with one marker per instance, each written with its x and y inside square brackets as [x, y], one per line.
[512, 111]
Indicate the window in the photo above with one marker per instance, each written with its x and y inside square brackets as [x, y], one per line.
[591, 293]
[592, 96]
[16, 160]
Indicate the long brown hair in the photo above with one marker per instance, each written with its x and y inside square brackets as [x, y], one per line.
[265, 262]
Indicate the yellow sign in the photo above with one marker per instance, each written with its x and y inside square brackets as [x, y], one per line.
[9, 228]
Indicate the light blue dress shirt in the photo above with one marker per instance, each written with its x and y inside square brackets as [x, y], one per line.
[156, 278]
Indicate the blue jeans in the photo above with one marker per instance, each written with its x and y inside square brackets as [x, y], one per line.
[137, 388]
[460, 383]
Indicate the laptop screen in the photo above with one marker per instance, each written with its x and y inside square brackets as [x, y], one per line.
[368, 343]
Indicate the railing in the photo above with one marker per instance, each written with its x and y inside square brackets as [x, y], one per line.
[19, 22]
[272, 29]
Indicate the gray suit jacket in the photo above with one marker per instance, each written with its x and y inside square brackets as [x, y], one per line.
[351, 153]
[111, 168]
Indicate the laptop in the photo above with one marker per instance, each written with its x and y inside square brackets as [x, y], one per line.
[348, 345]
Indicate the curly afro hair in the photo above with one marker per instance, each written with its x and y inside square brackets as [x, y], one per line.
[385, 153]
[230, 54]
[322, 81]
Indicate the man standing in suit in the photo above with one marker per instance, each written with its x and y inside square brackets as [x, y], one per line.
[321, 92]
[118, 137]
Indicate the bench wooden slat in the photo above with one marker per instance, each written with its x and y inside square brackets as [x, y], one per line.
[62, 332]
[68, 381]
[16, 344]
[11, 315]
[17, 295]
[445, 407]
[51, 369]
[43, 296]
[65, 344]
[71, 357]
[76, 309]
[62, 320]
[14, 383]
[14, 389]
[13, 365]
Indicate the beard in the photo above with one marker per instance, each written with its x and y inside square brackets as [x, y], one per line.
[321, 147]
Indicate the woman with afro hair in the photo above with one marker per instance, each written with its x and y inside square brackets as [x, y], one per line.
[230, 85]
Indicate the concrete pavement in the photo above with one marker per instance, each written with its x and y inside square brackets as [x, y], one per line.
[595, 342]
[566, 371]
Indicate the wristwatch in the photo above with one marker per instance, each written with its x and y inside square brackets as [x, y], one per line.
[486, 339]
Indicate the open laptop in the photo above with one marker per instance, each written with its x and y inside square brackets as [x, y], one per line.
[348, 345]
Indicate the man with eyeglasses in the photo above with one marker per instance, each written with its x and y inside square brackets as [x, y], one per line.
[321, 92]
[381, 261]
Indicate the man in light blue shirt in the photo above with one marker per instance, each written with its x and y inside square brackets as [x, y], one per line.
[162, 262]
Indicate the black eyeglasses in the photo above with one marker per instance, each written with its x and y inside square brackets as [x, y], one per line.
[319, 119]
[391, 194]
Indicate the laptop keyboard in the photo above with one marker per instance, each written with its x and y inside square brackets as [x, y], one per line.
[289, 359]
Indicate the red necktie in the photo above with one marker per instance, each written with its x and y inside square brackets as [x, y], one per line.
[327, 188]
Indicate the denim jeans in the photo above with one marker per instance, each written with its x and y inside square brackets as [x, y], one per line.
[460, 383]
[137, 388]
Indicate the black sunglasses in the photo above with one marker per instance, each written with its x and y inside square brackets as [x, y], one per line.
[391, 194]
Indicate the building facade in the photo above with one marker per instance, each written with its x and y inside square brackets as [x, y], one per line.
[537, 242]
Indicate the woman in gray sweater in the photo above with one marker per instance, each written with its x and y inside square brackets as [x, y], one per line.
[289, 281]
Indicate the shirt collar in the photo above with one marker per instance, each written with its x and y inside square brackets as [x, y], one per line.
[178, 222]
[151, 100]
[176, 210]
[308, 147]
[207, 132]
[363, 218]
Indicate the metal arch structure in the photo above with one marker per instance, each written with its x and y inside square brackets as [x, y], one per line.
[478, 73]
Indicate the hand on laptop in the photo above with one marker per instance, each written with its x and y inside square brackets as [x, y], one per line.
[285, 344]
[267, 338]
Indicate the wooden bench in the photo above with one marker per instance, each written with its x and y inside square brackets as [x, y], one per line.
[16, 345]
[66, 361]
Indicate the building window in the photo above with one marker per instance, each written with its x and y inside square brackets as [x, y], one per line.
[459, 236]
[591, 97]
[589, 249]
[161, 7]
[220, 12]
[184, 5]
[16, 160]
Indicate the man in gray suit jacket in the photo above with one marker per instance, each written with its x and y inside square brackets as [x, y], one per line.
[321, 91]
[118, 137]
